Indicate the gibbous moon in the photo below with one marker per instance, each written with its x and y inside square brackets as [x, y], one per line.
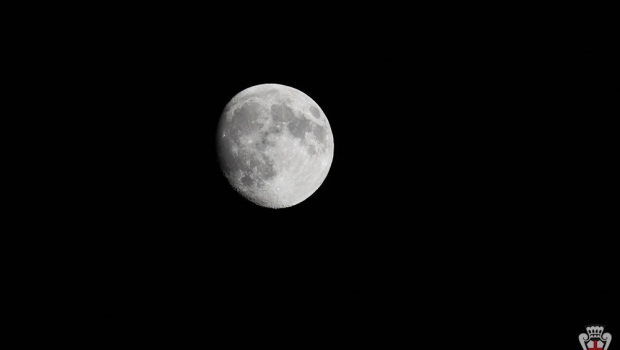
[275, 145]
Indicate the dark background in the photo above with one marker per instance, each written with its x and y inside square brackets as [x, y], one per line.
[470, 197]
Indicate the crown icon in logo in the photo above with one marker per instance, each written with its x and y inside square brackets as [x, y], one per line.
[595, 339]
[595, 331]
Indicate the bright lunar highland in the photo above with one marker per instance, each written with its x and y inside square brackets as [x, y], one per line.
[275, 145]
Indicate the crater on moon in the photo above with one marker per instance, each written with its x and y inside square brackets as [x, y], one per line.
[275, 145]
[315, 112]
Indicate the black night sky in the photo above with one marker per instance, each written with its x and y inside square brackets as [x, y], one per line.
[469, 188]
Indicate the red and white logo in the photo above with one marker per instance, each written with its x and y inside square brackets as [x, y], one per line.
[595, 339]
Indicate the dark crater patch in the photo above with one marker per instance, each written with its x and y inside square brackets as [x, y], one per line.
[254, 163]
[282, 113]
[247, 180]
[263, 167]
[274, 130]
[244, 120]
[299, 126]
[311, 149]
[319, 132]
[315, 112]
[265, 141]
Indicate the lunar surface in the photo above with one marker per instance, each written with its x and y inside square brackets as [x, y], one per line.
[275, 145]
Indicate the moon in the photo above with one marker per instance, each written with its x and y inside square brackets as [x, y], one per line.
[275, 145]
